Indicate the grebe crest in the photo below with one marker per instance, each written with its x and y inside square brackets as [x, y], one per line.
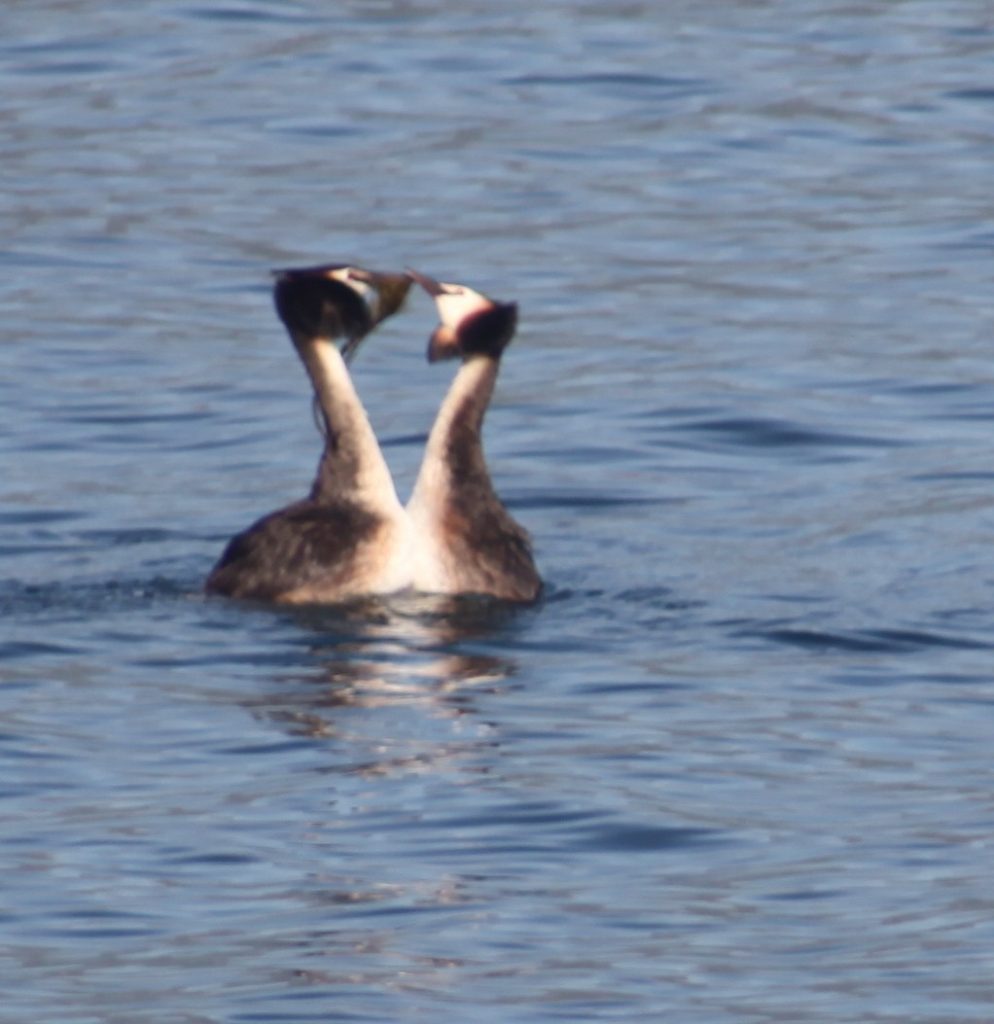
[470, 542]
[342, 540]
[351, 537]
[336, 301]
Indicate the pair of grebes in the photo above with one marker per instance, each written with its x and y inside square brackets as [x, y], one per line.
[352, 537]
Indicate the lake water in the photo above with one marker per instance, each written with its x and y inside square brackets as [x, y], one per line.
[737, 765]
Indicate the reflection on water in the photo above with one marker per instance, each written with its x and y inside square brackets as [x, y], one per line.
[737, 764]
[399, 653]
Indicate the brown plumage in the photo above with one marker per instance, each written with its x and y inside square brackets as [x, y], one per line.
[475, 544]
[337, 542]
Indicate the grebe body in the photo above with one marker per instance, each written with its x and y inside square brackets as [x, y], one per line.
[350, 535]
[467, 541]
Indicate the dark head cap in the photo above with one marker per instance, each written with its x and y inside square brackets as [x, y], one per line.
[336, 302]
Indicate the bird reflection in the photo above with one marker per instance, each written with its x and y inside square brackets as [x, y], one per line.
[387, 701]
[394, 656]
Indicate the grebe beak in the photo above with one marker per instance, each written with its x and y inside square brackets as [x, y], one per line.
[430, 285]
[470, 322]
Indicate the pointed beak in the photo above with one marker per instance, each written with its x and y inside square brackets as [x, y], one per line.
[430, 285]
[443, 343]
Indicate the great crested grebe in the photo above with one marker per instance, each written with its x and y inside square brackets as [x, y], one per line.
[350, 536]
[467, 541]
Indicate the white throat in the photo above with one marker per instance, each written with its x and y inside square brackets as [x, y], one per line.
[457, 302]
[348, 419]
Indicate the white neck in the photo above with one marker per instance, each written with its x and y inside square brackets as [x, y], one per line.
[353, 445]
[468, 395]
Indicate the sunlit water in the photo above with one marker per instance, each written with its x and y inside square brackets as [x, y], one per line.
[737, 765]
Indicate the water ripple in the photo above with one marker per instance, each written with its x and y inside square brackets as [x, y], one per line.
[759, 432]
[736, 764]
[877, 641]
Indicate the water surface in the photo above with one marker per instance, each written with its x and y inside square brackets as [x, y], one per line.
[736, 765]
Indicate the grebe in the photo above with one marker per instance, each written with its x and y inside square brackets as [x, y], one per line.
[350, 536]
[467, 541]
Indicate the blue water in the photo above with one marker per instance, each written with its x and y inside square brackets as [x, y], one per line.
[736, 766]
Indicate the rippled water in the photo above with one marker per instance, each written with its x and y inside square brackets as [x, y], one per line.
[736, 766]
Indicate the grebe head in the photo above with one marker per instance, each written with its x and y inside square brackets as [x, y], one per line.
[336, 301]
[471, 324]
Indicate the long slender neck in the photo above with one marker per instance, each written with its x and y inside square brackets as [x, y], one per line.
[352, 466]
[454, 453]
